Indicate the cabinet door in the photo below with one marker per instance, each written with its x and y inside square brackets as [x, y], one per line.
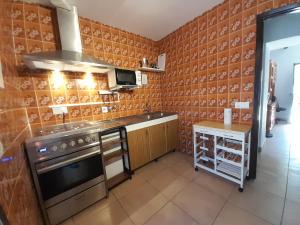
[172, 135]
[138, 142]
[157, 140]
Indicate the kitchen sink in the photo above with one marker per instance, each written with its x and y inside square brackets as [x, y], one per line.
[151, 116]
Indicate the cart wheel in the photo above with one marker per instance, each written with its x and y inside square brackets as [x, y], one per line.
[248, 178]
[196, 169]
[241, 189]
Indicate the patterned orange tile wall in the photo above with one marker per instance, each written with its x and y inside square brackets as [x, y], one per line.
[17, 196]
[34, 31]
[211, 64]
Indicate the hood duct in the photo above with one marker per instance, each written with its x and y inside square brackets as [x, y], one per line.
[70, 57]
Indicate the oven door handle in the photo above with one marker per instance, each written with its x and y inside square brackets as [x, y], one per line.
[46, 169]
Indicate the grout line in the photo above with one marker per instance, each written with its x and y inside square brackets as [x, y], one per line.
[286, 186]
[118, 200]
[219, 213]
[184, 211]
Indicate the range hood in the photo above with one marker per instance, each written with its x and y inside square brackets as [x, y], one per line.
[70, 57]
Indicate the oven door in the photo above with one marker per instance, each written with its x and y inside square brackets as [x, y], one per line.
[63, 177]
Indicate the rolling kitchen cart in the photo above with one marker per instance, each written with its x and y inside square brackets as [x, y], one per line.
[223, 150]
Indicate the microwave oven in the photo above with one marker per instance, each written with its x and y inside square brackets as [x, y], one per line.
[123, 79]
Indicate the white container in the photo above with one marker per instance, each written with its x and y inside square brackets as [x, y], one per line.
[227, 116]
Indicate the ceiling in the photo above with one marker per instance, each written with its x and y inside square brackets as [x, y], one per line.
[283, 43]
[153, 19]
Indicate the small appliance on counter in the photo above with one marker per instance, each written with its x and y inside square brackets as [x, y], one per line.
[68, 167]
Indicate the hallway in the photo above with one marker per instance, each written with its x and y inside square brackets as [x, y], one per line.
[279, 172]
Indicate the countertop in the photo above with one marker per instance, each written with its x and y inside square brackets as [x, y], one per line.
[242, 128]
[68, 129]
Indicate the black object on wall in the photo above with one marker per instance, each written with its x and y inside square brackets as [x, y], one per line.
[3, 219]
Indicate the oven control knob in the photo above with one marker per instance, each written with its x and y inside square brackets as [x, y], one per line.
[88, 139]
[64, 146]
[72, 143]
[80, 141]
[54, 148]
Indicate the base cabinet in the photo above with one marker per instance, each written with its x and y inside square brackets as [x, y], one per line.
[172, 135]
[138, 142]
[157, 141]
[149, 143]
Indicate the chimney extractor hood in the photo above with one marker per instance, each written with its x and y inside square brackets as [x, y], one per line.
[70, 58]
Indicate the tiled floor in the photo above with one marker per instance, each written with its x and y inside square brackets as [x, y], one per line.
[171, 192]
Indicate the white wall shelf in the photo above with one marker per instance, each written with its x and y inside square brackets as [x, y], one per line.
[149, 69]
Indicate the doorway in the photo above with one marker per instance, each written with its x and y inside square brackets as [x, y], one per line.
[295, 112]
[260, 83]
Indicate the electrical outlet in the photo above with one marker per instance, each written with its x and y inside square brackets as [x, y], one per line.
[104, 109]
[1, 149]
[1, 76]
[242, 105]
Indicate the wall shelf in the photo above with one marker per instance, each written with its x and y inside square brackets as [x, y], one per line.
[149, 69]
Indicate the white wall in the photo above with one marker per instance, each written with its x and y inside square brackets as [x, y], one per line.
[280, 27]
[285, 59]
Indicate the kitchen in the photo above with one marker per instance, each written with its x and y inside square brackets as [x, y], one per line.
[117, 105]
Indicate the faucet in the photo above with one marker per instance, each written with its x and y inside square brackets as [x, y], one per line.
[147, 108]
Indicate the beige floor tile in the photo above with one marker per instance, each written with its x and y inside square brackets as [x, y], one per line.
[198, 202]
[171, 158]
[181, 168]
[128, 186]
[291, 215]
[190, 174]
[142, 198]
[67, 222]
[294, 178]
[293, 193]
[149, 171]
[215, 183]
[232, 215]
[261, 203]
[175, 187]
[114, 214]
[164, 179]
[269, 182]
[95, 209]
[145, 212]
[170, 214]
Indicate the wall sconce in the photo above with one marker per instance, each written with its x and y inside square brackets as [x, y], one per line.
[57, 79]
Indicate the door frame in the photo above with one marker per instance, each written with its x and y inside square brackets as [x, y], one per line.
[258, 78]
[295, 64]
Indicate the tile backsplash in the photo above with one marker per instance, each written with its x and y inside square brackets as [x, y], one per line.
[17, 197]
[211, 64]
[34, 31]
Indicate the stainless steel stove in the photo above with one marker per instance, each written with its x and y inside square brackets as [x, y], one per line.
[67, 168]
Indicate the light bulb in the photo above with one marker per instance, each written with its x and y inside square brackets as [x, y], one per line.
[57, 79]
[89, 81]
